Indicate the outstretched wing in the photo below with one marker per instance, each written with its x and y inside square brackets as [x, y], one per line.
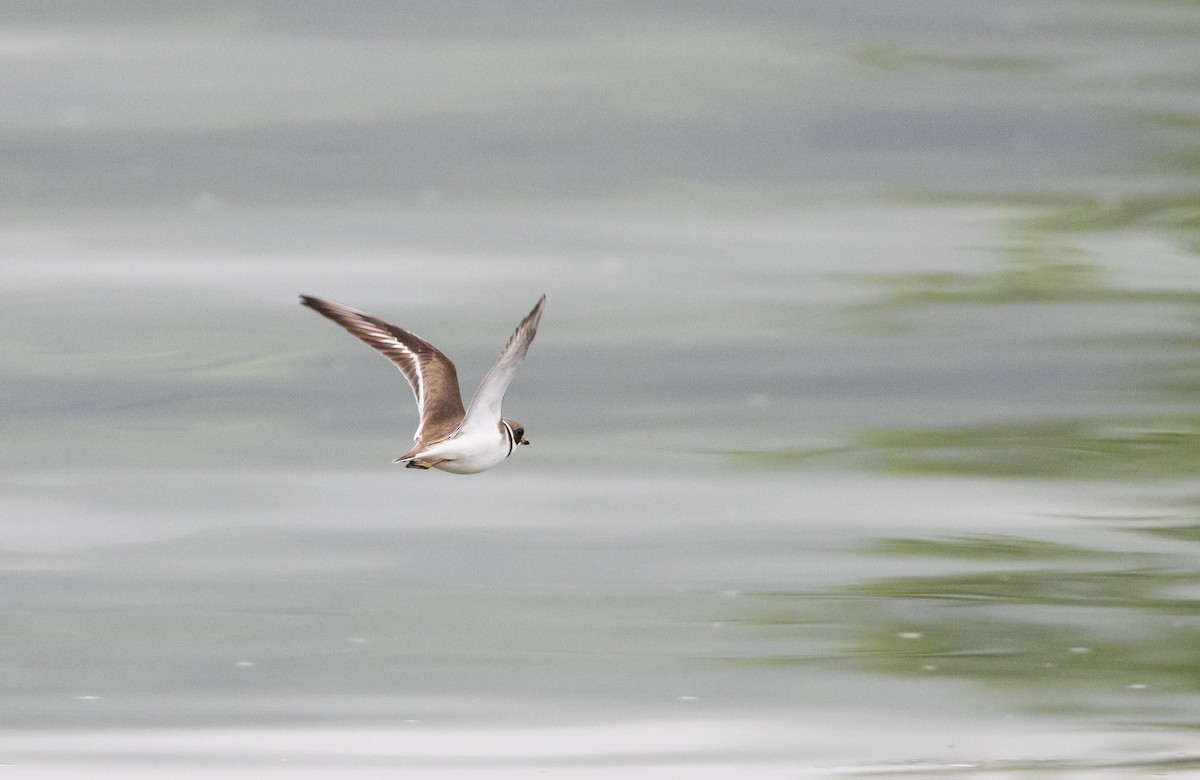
[484, 412]
[431, 374]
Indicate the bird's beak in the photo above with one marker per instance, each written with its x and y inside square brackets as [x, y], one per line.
[524, 440]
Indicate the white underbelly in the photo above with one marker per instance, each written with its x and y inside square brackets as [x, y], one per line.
[468, 455]
[470, 465]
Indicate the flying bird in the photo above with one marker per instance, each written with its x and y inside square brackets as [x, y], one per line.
[449, 438]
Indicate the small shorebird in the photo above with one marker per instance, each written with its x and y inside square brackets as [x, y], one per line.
[448, 438]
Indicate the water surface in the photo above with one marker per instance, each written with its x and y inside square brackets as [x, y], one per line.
[864, 410]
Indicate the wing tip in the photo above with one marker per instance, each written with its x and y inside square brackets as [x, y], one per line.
[330, 309]
[535, 313]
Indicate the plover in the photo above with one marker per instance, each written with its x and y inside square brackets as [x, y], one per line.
[448, 437]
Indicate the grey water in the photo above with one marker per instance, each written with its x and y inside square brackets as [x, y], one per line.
[865, 412]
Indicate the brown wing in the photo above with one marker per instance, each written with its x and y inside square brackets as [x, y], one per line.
[430, 373]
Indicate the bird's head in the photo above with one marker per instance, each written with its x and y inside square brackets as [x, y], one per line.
[518, 431]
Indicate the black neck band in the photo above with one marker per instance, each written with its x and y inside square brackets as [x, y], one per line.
[511, 438]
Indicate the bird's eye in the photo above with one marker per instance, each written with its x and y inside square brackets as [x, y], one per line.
[519, 433]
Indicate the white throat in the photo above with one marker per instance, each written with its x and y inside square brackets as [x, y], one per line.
[512, 439]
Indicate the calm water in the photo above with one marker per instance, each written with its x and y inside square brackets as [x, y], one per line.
[865, 411]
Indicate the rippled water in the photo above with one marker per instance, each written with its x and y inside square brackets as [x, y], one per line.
[864, 410]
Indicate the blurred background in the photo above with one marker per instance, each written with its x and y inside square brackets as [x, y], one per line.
[865, 410]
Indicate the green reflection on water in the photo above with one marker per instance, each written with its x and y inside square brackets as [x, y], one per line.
[1153, 430]
[1083, 448]
[979, 546]
[1132, 444]
[1170, 143]
[1028, 276]
[1040, 264]
[1164, 210]
[890, 57]
[1056, 627]
[1134, 589]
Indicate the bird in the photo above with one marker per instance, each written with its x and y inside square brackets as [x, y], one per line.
[448, 438]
